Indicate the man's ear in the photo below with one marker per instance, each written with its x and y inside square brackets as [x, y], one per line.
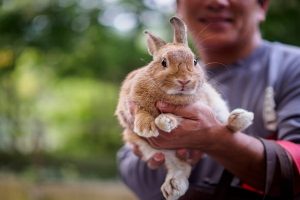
[265, 7]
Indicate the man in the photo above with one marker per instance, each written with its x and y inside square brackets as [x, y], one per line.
[227, 36]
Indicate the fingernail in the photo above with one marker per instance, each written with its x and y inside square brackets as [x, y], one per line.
[182, 152]
[158, 157]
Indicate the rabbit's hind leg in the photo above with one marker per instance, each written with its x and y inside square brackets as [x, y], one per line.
[178, 172]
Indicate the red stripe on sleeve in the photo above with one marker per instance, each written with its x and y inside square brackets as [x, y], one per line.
[294, 151]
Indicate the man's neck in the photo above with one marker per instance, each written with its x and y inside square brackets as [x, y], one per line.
[228, 54]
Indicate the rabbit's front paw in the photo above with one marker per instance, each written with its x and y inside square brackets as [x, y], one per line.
[175, 186]
[239, 119]
[167, 122]
[145, 129]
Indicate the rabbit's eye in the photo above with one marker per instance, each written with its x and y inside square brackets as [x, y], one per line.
[195, 61]
[164, 63]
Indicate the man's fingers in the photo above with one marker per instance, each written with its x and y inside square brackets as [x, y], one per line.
[169, 108]
[189, 111]
[136, 151]
[195, 156]
[156, 161]
[182, 154]
[190, 156]
[190, 125]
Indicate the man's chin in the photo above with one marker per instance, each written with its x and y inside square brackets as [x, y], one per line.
[216, 41]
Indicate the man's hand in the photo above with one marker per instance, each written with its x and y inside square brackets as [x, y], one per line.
[191, 156]
[195, 131]
[166, 140]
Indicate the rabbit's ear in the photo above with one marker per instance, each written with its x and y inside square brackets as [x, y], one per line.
[180, 31]
[154, 43]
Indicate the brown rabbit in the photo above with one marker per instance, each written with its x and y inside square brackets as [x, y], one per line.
[174, 76]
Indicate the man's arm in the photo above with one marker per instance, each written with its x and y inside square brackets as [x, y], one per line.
[241, 154]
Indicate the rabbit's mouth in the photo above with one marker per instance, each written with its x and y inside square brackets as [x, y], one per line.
[183, 90]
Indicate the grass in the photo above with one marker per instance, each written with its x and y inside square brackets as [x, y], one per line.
[12, 188]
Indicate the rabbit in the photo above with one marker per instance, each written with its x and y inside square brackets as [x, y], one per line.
[173, 76]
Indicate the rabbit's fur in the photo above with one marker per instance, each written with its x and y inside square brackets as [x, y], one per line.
[174, 76]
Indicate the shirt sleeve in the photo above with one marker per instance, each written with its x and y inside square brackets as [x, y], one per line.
[289, 112]
[288, 99]
[135, 173]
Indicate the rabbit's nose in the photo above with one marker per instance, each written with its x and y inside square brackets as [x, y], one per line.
[183, 82]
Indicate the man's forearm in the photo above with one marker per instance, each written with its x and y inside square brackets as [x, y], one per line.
[241, 154]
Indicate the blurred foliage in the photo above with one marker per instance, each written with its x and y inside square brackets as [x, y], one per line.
[282, 23]
[61, 64]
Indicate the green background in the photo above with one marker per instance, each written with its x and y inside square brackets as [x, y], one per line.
[61, 65]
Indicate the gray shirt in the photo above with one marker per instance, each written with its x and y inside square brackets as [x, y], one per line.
[242, 85]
